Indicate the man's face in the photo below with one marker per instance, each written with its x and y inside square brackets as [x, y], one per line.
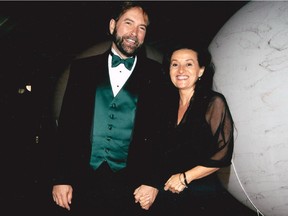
[129, 31]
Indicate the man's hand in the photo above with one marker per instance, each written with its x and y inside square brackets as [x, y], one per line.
[62, 195]
[145, 195]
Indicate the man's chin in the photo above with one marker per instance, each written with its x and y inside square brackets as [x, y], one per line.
[131, 53]
[133, 50]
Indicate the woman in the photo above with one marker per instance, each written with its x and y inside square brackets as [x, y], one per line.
[195, 139]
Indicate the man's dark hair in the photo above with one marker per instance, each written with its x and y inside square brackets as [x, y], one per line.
[121, 8]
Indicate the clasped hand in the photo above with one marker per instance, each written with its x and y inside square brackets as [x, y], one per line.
[145, 195]
[175, 184]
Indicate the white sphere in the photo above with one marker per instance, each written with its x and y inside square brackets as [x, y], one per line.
[250, 53]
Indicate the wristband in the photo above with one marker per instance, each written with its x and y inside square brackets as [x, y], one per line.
[185, 180]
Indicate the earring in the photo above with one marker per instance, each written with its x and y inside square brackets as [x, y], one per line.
[199, 78]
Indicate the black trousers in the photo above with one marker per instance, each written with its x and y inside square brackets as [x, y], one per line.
[104, 192]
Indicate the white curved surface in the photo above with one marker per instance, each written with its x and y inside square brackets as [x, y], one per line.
[250, 53]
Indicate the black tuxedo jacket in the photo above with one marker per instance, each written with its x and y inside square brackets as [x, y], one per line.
[75, 121]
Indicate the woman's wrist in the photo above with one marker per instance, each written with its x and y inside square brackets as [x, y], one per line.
[182, 181]
[185, 179]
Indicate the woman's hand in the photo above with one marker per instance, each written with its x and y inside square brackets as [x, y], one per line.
[175, 183]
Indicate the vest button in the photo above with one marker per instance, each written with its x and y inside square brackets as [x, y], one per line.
[108, 138]
[112, 116]
[113, 105]
[109, 127]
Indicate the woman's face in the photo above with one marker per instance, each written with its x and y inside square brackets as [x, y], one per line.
[184, 69]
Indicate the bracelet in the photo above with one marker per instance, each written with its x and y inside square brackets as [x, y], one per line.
[181, 181]
[185, 180]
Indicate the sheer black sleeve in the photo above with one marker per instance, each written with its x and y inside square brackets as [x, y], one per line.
[221, 123]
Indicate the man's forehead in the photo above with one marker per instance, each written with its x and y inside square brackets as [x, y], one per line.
[135, 12]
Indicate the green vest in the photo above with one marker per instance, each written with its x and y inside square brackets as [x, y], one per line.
[112, 127]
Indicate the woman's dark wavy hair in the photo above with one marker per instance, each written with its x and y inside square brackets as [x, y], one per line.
[204, 59]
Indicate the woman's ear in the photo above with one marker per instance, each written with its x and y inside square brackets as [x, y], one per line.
[201, 71]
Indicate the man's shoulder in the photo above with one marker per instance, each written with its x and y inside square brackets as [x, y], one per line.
[145, 62]
[152, 61]
[92, 58]
[95, 61]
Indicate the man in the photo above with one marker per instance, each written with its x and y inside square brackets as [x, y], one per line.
[104, 103]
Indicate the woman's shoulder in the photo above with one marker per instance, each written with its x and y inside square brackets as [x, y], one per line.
[216, 98]
[217, 95]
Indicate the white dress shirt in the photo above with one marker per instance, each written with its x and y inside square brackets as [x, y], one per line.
[118, 75]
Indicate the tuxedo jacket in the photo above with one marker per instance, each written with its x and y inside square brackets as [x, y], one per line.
[76, 115]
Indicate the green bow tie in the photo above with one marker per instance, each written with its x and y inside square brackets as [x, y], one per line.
[116, 60]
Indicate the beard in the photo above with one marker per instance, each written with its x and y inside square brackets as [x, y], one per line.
[127, 50]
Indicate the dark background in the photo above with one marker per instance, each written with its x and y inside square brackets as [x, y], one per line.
[40, 38]
[37, 42]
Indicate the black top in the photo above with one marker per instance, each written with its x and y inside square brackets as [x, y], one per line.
[203, 137]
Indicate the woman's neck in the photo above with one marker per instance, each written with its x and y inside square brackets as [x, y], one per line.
[185, 97]
[184, 101]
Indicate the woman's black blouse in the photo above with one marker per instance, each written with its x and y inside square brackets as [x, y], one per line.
[203, 137]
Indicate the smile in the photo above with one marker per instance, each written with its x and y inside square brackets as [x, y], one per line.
[182, 77]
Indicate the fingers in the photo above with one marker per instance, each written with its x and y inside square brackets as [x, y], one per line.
[147, 207]
[137, 194]
[174, 189]
[62, 196]
[145, 202]
[145, 195]
[136, 190]
[144, 190]
[174, 184]
[62, 201]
